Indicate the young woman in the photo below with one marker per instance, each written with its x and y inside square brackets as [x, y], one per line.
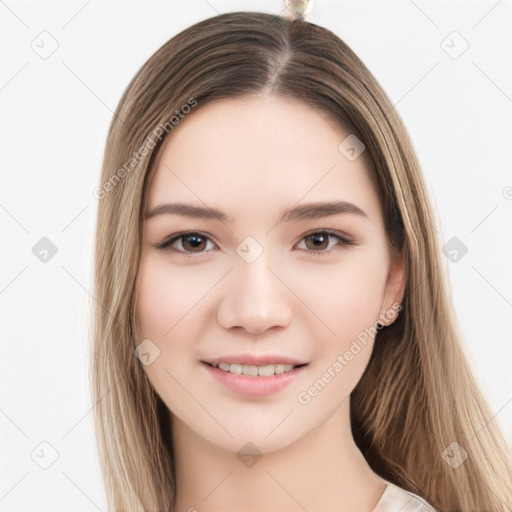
[273, 328]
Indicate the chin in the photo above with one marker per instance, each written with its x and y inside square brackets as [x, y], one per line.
[255, 443]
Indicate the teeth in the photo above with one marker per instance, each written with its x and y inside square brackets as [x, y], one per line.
[268, 370]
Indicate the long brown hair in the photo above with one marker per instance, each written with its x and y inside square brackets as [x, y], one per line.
[418, 395]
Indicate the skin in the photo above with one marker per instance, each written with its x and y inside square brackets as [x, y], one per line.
[251, 157]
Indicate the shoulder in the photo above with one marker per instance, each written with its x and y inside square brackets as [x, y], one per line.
[396, 499]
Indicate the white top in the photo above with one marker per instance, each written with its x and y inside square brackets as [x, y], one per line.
[396, 499]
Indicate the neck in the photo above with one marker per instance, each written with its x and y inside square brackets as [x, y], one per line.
[323, 470]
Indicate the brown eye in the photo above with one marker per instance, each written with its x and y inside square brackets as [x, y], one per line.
[190, 243]
[194, 243]
[318, 241]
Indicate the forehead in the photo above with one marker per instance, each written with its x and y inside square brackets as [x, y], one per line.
[256, 154]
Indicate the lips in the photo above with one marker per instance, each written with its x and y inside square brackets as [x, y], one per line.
[253, 385]
[249, 359]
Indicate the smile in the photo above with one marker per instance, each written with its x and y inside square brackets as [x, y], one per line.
[247, 379]
[250, 370]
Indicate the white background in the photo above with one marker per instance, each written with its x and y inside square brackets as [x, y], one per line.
[54, 118]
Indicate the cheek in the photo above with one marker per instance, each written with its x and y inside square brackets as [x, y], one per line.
[346, 298]
[164, 296]
[153, 309]
[164, 307]
[346, 303]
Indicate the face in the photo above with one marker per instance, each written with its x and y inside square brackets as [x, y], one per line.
[250, 282]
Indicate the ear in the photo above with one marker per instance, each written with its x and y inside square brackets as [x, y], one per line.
[393, 292]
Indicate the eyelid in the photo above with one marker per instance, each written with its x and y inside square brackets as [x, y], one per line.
[344, 240]
[168, 241]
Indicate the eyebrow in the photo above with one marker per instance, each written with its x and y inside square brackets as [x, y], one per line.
[296, 213]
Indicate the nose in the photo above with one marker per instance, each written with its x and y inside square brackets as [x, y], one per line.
[255, 298]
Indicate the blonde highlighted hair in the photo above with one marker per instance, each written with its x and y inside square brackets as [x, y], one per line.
[418, 394]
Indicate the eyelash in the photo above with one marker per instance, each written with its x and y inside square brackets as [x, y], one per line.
[166, 244]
